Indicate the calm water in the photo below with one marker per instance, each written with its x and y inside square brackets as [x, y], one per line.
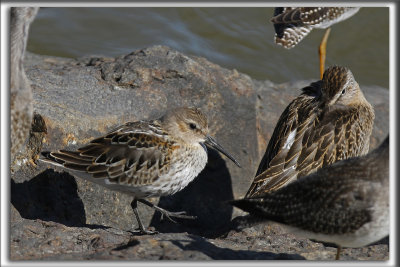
[235, 38]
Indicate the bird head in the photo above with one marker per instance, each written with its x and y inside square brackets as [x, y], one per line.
[340, 88]
[190, 126]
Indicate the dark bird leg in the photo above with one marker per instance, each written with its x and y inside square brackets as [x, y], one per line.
[322, 52]
[168, 214]
[338, 252]
[141, 226]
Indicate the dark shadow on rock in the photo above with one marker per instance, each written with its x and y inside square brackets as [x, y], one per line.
[206, 198]
[96, 226]
[131, 243]
[217, 253]
[50, 196]
[383, 241]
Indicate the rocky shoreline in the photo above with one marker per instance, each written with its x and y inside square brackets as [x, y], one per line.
[55, 217]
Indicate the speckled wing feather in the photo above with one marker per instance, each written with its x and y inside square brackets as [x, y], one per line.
[277, 152]
[321, 204]
[135, 153]
[305, 141]
[290, 120]
[300, 15]
[346, 203]
[292, 24]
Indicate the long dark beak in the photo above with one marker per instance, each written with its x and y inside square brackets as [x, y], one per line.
[212, 143]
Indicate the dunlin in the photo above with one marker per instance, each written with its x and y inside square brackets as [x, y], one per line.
[292, 24]
[330, 121]
[346, 203]
[145, 158]
[20, 89]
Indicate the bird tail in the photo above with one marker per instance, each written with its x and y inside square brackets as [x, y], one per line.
[245, 204]
[250, 206]
[46, 157]
[67, 159]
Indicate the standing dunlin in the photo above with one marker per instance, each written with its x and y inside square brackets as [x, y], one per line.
[145, 158]
[330, 121]
[292, 24]
[346, 203]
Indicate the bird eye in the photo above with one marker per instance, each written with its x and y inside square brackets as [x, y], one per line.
[192, 126]
[344, 91]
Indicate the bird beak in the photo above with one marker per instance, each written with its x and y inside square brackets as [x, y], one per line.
[212, 143]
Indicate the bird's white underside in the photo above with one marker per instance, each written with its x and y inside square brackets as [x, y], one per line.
[327, 23]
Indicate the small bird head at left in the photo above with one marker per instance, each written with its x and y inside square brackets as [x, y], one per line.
[190, 125]
[340, 88]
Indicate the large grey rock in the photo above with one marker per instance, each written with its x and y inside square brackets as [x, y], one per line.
[77, 100]
[46, 240]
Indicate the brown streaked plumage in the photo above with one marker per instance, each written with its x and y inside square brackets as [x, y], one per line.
[292, 24]
[20, 89]
[145, 158]
[346, 203]
[330, 121]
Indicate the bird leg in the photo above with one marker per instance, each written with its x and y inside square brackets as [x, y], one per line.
[168, 214]
[322, 52]
[338, 252]
[141, 226]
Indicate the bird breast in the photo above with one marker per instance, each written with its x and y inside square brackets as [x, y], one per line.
[186, 164]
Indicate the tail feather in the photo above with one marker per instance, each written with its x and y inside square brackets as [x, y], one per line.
[252, 219]
[257, 208]
[76, 167]
[246, 204]
[47, 157]
[71, 157]
[66, 159]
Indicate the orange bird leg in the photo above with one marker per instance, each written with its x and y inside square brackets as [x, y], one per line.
[322, 52]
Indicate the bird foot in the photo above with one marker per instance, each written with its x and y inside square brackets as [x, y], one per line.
[169, 214]
[147, 232]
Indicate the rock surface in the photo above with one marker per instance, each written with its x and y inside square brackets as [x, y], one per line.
[55, 216]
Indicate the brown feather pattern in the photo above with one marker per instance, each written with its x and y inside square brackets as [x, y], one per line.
[135, 153]
[321, 132]
[336, 200]
[145, 158]
[292, 24]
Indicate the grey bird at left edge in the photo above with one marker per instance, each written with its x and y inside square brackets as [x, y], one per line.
[21, 107]
[346, 203]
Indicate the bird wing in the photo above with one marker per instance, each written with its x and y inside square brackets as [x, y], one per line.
[293, 24]
[299, 16]
[135, 153]
[330, 203]
[304, 141]
[286, 141]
